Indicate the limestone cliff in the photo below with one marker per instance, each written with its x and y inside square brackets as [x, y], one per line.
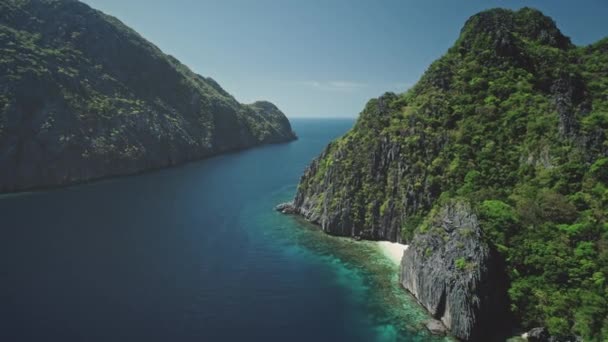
[455, 274]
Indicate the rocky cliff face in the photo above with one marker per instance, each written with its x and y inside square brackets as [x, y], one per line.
[455, 274]
[513, 119]
[82, 96]
[368, 187]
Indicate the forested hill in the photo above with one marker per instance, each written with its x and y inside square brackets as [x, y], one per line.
[83, 96]
[513, 119]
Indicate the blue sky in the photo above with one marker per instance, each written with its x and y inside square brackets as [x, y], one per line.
[323, 58]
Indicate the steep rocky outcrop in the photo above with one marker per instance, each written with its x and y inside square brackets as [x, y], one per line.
[82, 96]
[324, 194]
[541, 334]
[454, 273]
[513, 119]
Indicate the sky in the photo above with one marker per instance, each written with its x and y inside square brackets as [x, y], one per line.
[323, 58]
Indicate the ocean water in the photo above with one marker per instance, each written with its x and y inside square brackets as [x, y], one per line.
[195, 253]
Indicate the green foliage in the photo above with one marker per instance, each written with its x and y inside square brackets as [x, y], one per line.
[499, 221]
[483, 123]
[599, 169]
[460, 263]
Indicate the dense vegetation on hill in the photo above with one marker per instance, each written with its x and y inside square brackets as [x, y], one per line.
[83, 96]
[512, 119]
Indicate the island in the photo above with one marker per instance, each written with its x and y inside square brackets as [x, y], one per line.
[84, 97]
[493, 169]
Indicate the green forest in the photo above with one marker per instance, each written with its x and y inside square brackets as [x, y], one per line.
[513, 119]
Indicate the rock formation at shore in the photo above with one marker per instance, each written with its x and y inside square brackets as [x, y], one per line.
[454, 274]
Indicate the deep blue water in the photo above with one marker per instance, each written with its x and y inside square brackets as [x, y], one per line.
[194, 253]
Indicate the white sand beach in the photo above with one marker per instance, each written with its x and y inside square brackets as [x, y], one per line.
[392, 250]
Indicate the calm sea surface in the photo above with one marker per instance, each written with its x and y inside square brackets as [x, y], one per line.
[195, 253]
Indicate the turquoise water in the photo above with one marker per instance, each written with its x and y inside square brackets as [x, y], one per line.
[195, 253]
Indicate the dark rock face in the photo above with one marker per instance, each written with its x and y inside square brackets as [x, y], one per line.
[331, 189]
[568, 94]
[436, 327]
[538, 335]
[286, 208]
[82, 96]
[541, 334]
[454, 274]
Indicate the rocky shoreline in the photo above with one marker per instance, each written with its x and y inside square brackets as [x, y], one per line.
[451, 273]
[455, 275]
[130, 173]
